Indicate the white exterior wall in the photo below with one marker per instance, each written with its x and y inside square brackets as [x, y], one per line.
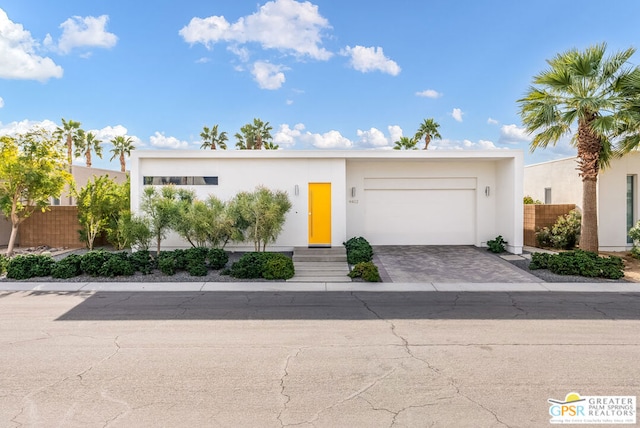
[499, 213]
[561, 176]
[566, 187]
[235, 175]
[612, 202]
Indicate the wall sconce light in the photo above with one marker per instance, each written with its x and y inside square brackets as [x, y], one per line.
[353, 192]
[296, 190]
[487, 191]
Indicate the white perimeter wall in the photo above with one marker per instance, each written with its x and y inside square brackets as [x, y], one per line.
[235, 175]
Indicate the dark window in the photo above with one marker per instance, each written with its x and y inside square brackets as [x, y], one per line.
[180, 181]
[547, 195]
[631, 202]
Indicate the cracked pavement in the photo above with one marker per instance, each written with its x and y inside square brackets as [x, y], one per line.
[286, 359]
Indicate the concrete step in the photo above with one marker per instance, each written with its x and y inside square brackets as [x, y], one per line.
[319, 251]
[297, 278]
[319, 258]
[321, 272]
[322, 265]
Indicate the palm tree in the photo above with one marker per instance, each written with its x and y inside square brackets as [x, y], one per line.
[211, 138]
[270, 145]
[405, 143]
[72, 134]
[122, 146]
[593, 92]
[89, 142]
[252, 136]
[428, 129]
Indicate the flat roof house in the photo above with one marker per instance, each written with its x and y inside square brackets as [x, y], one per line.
[388, 197]
[557, 182]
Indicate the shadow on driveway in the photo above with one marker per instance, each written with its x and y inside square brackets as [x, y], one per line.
[352, 306]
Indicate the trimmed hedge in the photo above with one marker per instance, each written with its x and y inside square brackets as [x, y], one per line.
[579, 262]
[367, 271]
[358, 250]
[263, 265]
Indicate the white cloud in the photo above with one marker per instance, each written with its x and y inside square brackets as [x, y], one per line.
[24, 126]
[285, 25]
[395, 133]
[457, 114]
[18, 53]
[492, 121]
[376, 139]
[108, 133]
[268, 76]
[1, 102]
[203, 60]
[429, 93]
[328, 140]
[446, 144]
[285, 136]
[370, 59]
[512, 134]
[161, 141]
[83, 32]
[289, 102]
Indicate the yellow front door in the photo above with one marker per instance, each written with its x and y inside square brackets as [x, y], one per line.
[319, 214]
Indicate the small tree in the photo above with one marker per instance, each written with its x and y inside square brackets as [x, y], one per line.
[259, 216]
[162, 209]
[120, 216]
[32, 170]
[204, 223]
[96, 202]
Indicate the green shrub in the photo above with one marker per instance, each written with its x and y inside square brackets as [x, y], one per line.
[117, 264]
[92, 262]
[634, 234]
[250, 265]
[143, 262]
[367, 271]
[529, 200]
[29, 266]
[358, 250]
[579, 262]
[539, 261]
[4, 261]
[543, 237]
[167, 263]
[278, 266]
[497, 245]
[68, 267]
[563, 234]
[218, 258]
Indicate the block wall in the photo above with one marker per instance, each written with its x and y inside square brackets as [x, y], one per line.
[541, 215]
[57, 227]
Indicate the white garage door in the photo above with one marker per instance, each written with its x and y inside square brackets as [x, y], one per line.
[420, 212]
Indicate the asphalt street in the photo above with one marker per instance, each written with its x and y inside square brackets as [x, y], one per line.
[314, 359]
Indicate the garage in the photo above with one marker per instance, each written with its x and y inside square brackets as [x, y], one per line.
[420, 211]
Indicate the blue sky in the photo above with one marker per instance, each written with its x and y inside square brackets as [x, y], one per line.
[325, 74]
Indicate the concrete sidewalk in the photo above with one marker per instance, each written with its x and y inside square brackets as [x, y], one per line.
[244, 287]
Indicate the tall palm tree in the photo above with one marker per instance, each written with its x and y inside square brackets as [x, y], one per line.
[252, 136]
[86, 145]
[72, 134]
[122, 146]
[428, 130]
[590, 91]
[211, 138]
[270, 145]
[405, 143]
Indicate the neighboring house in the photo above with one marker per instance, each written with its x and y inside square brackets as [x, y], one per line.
[557, 182]
[388, 197]
[81, 176]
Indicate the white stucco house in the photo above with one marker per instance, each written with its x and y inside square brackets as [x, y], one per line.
[388, 197]
[557, 182]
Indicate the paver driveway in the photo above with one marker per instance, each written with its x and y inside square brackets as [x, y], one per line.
[452, 264]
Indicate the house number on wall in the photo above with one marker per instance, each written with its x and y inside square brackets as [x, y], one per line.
[353, 201]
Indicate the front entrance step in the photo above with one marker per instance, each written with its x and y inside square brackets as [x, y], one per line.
[320, 265]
